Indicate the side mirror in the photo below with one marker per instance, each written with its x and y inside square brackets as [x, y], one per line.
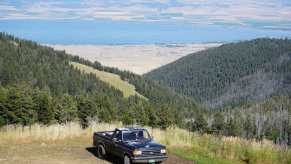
[115, 140]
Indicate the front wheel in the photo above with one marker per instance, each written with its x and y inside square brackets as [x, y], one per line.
[100, 151]
[126, 160]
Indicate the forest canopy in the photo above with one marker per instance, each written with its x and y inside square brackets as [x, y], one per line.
[231, 74]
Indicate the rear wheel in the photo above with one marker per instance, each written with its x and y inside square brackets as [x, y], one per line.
[101, 151]
[126, 160]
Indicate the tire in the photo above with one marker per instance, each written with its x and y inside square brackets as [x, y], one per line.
[101, 153]
[126, 160]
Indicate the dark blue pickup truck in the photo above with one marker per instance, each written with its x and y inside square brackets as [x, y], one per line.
[131, 145]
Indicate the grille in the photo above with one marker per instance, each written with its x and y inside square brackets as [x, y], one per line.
[151, 153]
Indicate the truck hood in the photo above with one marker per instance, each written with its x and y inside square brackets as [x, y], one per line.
[147, 144]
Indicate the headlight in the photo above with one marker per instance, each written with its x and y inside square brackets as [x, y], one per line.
[137, 152]
[163, 151]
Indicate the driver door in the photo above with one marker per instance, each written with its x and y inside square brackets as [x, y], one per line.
[116, 143]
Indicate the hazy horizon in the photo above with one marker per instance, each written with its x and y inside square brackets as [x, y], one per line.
[104, 22]
[70, 32]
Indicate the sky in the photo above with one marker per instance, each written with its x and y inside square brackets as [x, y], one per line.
[145, 21]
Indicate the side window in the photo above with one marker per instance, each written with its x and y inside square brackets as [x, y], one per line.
[118, 135]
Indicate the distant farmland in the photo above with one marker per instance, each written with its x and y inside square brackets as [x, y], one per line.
[135, 58]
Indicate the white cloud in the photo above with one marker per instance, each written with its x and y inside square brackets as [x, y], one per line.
[240, 12]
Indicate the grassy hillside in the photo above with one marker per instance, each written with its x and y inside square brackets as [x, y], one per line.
[112, 79]
[232, 73]
[154, 92]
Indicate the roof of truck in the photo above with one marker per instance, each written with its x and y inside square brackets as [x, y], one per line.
[130, 128]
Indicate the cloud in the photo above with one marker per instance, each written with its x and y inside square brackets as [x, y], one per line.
[256, 13]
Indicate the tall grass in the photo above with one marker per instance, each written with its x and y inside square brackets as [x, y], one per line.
[36, 132]
[220, 149]
[199, 148]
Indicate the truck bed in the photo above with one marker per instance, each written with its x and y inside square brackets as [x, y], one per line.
[107, 134]
[101, 136]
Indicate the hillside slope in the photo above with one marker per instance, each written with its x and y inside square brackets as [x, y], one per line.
[232, 73]
[112, 79]
[39, 84]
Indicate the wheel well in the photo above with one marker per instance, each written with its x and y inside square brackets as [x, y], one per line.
[102, 144]
[127, 154]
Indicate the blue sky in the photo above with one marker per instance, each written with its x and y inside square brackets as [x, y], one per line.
[145, 21]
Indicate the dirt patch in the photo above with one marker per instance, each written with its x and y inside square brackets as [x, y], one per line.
[66, 152]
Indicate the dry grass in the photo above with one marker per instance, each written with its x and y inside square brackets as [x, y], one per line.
[54, 144]
[14, 133]
[112, 79]
[36, 132]
[191, 146]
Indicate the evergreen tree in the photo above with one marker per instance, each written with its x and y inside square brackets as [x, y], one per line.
[87, 109]
[200, 124]
[3, 110]
[234, 127]
[249, 126]
[44, 107]
[20, 105]
[66, 109]
[218, 124]
[166, 116]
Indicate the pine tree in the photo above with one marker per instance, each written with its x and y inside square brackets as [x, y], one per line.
[3, 110]
[66, 109]
[200, 124]
[234, 127]
[218, 124]
[44, 107]
[86, 110]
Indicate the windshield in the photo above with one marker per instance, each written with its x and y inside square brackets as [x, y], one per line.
[136, 135]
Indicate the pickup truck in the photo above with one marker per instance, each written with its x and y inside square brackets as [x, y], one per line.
[131, 145]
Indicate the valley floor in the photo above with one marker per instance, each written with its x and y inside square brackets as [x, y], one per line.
[135, 58]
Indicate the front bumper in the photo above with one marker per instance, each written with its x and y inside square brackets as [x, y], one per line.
[141, 159]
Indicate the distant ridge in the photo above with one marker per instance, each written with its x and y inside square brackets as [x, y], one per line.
[232, 73]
